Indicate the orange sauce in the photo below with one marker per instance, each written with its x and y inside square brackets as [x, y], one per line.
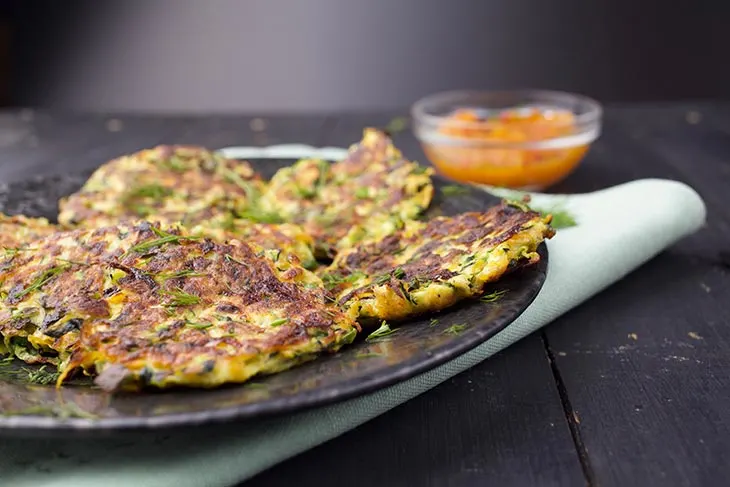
[507, 167]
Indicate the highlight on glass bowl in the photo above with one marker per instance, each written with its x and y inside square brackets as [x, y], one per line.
[525, 139]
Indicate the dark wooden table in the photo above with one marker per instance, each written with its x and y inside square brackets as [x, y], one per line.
[632, 388]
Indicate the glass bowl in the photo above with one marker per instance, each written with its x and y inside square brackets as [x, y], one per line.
[526, 139]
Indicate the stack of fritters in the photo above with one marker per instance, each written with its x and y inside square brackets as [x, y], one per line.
[176, 266]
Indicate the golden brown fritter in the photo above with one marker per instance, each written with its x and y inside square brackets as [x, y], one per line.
[428, 266]
[238, 316]
[18, 230]
[167, 184]
[327, 200]
[143, 306]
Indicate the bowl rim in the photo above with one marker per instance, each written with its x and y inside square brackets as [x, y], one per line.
[591, 116]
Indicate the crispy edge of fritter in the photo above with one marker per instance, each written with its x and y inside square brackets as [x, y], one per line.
[238, 369]
[390, 301]
[521, 252]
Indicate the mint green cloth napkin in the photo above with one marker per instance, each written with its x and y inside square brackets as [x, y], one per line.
[618, 230]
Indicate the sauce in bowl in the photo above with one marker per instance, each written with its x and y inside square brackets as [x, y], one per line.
[530, 146]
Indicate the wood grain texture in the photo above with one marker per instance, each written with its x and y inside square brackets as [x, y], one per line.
[647, 375]
[644, 364]
[499, 423]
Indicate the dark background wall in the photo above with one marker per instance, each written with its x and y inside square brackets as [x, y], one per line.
[321, 55]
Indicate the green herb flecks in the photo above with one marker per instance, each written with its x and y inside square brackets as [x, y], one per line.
[469, 260]
[181, 298]
[41, 376]
[317, 332]
[257, 215]
[332, 280]
[234, 178]
[73, 262]
[561, 218]
[279, 322]
[41, 280]
[382, 332]
[198, 325]
[305, 192]
[153, 190]
[272, 254]
[380, 280]
[433, 322]
[406, 294]
[61, 411]
[230, 258]
[13, 251]
[141, 210]
[164, 238]
[397, 125]
[520, 205]
[454, 190]
[455, 329]
[19, 314]
[362, 193]
[419, 169]
[174, 163]
[349, 336]
[493, 296]
[397, 273]
[519, 199]
[181, 274]
[228, 223]
[368, 355]
[399, 250]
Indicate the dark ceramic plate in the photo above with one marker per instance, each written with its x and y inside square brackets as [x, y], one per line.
[417, 346]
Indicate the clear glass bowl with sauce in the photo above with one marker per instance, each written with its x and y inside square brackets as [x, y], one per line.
[528, 139]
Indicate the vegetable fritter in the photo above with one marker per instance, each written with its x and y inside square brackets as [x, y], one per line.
[143, 306]
[374, 180]
[428, 266]
[165, 184]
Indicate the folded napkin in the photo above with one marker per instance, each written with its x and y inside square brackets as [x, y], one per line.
[618, 230]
